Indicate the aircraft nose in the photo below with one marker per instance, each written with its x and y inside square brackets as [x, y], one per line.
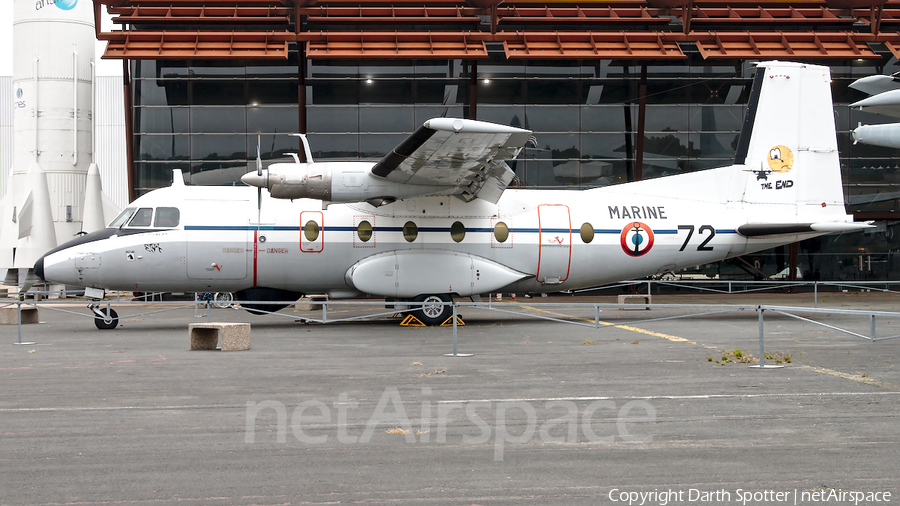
[39, 269]
[254, 179]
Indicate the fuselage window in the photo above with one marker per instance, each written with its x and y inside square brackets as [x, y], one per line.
[311, 230]
[501, 232]
[587, 233]
[142, 218]
[122, 218]
[166, 217]
[364, 231]
[457, 231]
[410, 231]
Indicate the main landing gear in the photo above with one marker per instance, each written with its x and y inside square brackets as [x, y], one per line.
[432, 309]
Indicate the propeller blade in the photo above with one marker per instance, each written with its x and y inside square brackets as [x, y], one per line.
[258, 188]
[258, 161]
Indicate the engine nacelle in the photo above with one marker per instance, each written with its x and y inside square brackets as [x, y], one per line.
[299, 180]
[339, 182]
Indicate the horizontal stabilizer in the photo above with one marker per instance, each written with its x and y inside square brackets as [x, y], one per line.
[840, 226]
[769, 229]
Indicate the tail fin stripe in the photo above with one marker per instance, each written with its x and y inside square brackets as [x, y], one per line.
[740, 156]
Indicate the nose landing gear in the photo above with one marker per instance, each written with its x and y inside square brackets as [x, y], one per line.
[104, 318]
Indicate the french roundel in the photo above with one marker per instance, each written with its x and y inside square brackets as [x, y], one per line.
[636, 239]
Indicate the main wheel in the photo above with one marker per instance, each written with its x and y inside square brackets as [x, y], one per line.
[435, 309]
[107, 323]
[222, 299]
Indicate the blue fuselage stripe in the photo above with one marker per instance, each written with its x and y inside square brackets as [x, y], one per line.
[445, 230]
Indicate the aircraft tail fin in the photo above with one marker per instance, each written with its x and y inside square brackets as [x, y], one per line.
[787, 154]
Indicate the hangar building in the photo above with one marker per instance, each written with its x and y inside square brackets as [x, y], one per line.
[613, 90]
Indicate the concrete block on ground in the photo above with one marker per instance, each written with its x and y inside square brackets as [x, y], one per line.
[206, 336]
[308, 303]
[646, 298]
[29, 315]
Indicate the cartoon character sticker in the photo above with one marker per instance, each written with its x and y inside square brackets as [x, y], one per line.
[636, 239]
[781, 159]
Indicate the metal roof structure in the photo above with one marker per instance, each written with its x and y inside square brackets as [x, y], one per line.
[528, 29]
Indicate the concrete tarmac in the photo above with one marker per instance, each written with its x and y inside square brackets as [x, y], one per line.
[647, 413]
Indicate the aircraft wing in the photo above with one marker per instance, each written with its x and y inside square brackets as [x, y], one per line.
[466, 157]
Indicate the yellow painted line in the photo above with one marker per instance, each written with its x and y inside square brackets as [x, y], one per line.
[651, 333]
[623, 327]
[820, 370]
[852, 377]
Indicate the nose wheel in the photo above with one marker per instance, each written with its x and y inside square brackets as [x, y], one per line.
[104, 318]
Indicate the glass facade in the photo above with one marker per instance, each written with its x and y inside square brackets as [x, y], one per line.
[204, 118]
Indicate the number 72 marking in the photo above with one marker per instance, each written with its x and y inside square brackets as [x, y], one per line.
[690, 232]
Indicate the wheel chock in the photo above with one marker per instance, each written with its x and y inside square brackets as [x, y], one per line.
[411, 321]
[449, 322]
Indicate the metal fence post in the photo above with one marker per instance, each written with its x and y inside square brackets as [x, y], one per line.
[455, 338]
[455, 331]
[762, 351]
[19, 323]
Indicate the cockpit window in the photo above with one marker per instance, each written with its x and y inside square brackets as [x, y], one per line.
[122, 218]
[166, 217]
[141, 217]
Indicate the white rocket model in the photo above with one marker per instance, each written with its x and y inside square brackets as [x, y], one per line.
[884, 100]
[887, 136]
[53, 44]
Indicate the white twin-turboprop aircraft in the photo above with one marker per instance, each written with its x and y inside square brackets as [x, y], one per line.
[433, 219]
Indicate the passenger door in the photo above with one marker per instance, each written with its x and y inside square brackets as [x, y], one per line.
[555, 243]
